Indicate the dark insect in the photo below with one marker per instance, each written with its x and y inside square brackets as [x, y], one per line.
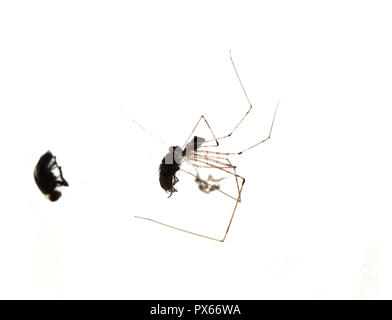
[46, 180]
[168, 168]
[171, 163]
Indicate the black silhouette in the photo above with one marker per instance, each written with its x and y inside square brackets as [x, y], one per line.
[171, 163]
[46, 180]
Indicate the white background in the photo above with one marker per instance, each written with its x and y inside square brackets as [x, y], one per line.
[316, 215]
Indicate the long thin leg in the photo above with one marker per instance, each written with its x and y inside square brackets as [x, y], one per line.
[219, 190]
[200, 149]
[179, 229]
[204, 157]
[208, 125]
[236, 203]
[234, 210]
[247, 98]
[242, 119]
[198, 234]
[228, 165]
[145, 130]
[211, 165]
[239, 194]
[236, 178]
[237, 125]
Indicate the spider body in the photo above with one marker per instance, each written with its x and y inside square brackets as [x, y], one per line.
[46, 180]
[193, 145]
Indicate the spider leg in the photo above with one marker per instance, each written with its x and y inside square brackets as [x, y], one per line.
[197, 156]
[209, 127]
[246, 149]
[247, 98]
[237, 200]
[144, 129]
[209, 184]
[234, 210]
[179, 229]
[228, 165]
[208, 164]
[243, 118]
[215, 140]
[236, 178]
[239, 192]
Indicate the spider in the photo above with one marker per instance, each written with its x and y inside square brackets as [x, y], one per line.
[45, 179]
[197, 151]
